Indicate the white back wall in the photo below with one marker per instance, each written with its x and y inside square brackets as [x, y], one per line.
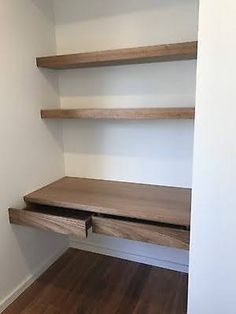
[105, 24]
[212, 259]
[158, 152]
[149, 152]
[31, 152]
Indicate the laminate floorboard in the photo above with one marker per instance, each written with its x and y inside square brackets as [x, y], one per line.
[88, 283]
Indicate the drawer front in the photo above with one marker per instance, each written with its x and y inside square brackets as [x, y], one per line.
[51, 220]
[166, 236]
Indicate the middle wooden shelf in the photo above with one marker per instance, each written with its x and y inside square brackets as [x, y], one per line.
[120, 113]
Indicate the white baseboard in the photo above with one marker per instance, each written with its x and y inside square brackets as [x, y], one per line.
[30, 279]
[169, 258]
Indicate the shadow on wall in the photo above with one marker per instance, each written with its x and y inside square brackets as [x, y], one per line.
[144, 151]
[91, 9]
[109, 24]
[42, 5]
[26, 245]
[26, 256]
[155, 140]
[154, 84]
[155, 152]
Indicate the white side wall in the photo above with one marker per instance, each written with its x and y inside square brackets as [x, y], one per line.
[31, 152]
[158, 152]
[212, 263]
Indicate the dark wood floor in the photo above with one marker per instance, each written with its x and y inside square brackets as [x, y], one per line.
[83, 283]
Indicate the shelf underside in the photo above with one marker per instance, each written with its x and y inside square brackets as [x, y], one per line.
[158, 53]
[120, 114]
[139, 201]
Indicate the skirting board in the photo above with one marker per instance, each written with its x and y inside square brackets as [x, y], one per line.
[30, 280]
[150, 254]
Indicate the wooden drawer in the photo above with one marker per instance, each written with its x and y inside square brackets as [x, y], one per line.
[140, 231]
[59, 220]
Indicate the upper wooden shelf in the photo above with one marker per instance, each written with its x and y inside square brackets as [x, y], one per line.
[139, 201]
[168, 52]
[120, 114]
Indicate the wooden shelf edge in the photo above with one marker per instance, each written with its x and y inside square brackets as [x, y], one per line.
[157, 53]
[120, 114]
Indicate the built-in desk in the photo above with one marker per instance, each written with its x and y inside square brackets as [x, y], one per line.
[149, 213]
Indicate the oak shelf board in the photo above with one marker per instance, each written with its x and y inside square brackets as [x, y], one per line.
[120, 113]
[139, 201]
[157, 53]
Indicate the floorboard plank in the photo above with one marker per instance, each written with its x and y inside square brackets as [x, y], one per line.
[83, 282]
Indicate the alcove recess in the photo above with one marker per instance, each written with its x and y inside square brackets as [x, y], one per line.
[148, 213]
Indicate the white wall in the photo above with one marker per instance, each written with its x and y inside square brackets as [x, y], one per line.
[149, 152]
[31, 152]
[158, 152]
[109, 24]
[212, 262]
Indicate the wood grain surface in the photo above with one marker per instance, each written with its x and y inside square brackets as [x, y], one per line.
[168, 52]
[166, 236]
[52, 220]
[148, 202]
[87, 283]
[120, 114]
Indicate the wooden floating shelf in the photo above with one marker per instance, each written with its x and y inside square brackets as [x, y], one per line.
[120, 114]
[139, 201]
[158, 53]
